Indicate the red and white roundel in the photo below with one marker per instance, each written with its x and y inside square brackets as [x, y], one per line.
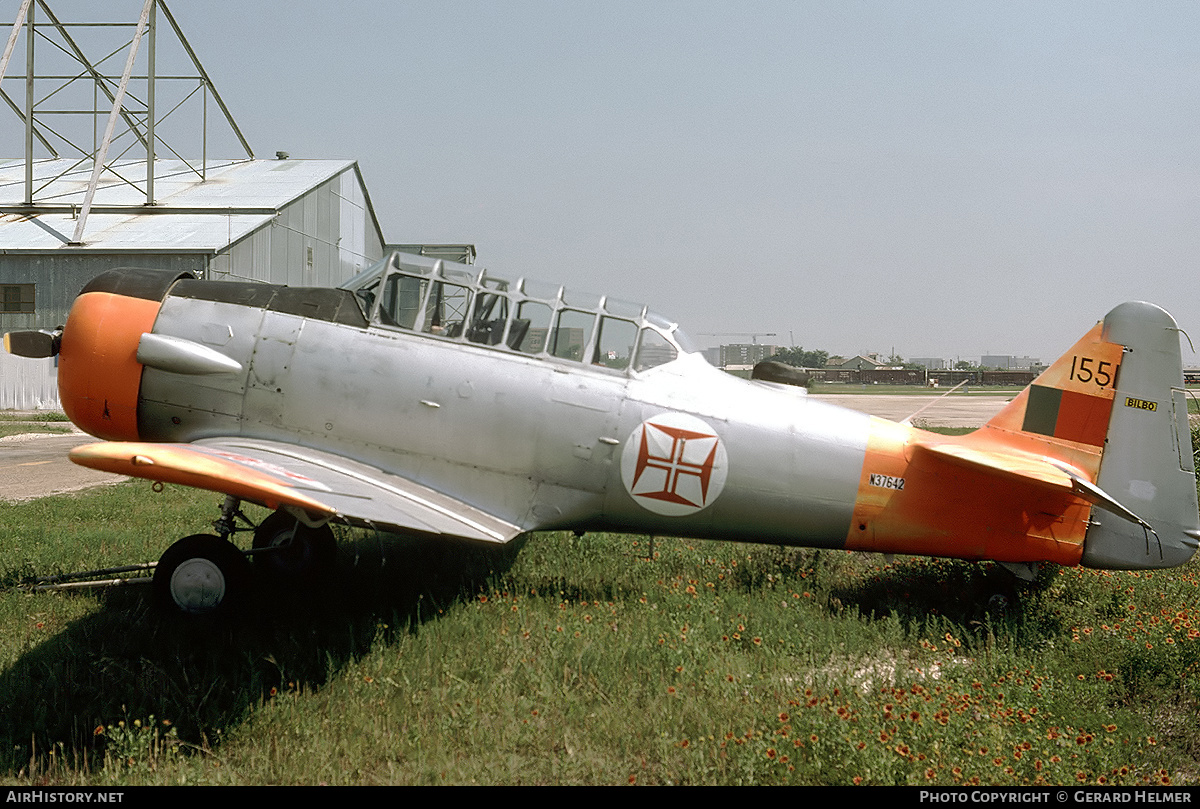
[674, 464]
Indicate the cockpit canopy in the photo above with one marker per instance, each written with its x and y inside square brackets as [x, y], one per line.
[439, 298]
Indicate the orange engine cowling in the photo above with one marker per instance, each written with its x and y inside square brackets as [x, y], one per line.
[99, 375]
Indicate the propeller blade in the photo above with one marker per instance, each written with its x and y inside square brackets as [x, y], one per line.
[36, 344]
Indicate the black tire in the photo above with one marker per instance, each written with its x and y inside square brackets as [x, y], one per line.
[299, 554]
[202, 575]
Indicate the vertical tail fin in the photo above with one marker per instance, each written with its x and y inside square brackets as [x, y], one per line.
[1114, 409]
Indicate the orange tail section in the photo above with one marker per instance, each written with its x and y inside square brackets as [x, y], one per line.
[1065, 413]
[1086, 465]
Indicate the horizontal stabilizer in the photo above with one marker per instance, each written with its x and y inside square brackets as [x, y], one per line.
[1038, 471]
[1013, 465]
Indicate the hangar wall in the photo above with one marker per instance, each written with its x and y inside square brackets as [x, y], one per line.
[323, 238]
[320, 232]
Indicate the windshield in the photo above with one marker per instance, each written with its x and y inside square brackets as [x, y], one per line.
[456, 301]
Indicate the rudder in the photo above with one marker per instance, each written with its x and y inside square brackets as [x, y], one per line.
[1147, 462]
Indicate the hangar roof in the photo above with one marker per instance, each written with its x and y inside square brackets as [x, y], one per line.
[189, 214]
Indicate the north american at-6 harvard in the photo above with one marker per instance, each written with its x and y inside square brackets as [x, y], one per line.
[434, 399]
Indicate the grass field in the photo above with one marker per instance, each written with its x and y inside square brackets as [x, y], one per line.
[597, 660]
[19, 423]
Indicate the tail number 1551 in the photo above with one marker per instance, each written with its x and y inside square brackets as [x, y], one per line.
[1089, 370]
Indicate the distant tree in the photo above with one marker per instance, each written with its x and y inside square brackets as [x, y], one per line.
[897, 360]
[797, 356]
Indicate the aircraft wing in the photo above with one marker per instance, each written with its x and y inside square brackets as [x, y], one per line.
[322, 484]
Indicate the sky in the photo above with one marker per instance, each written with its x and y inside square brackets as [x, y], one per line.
[927, 178]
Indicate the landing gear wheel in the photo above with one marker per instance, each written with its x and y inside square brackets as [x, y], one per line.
[201, 575]
[292, 552]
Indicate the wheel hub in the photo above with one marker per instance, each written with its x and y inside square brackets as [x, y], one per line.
[197, 586]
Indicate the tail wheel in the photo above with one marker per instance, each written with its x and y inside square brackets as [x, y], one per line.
[201, 575]
[290, 551]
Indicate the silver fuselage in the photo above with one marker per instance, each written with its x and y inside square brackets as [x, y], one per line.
[535, 440]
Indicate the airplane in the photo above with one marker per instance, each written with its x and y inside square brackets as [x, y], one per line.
[427, 398]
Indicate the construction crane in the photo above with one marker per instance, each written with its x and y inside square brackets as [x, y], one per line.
[753, 335]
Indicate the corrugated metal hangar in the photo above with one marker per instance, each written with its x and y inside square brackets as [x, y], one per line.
[77, 204]
[296, 222]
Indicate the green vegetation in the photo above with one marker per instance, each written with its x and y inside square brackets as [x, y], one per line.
[35, 416]
[798, 356]
[17, 423]
[26, 428]
[605, 659]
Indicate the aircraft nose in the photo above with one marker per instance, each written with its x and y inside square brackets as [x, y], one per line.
[99, 376]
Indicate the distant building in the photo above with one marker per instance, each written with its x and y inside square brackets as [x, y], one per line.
[745, 355]
[930, 363]
[859, 363]
[1007, 362]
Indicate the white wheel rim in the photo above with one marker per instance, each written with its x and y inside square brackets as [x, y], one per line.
[198, 585]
